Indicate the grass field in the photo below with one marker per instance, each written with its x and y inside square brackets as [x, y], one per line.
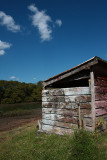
[23, 143]
[12, 110]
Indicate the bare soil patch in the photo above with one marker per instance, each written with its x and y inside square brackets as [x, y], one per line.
[8, 123]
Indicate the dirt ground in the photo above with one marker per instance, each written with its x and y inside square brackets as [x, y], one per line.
[9, 123]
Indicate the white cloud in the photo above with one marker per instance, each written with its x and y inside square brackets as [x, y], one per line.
[59, 22]
[2, 52]
[34, 78]
[3, 46]
[8, 21]
[12, 77]
[40, 20]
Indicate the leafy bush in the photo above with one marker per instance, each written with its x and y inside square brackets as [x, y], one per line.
[12, 92]
[84, 146]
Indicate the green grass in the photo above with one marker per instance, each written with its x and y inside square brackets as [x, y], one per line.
[24, 144]
[19, 112]
[13, 110]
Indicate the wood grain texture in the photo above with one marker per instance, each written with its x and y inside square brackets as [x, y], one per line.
[69, 99]
[57, 130]
[92, 99]
[60, 107]
[60, 124]
[65, 105]
[100, 96]
[100, 104]
[101, 111]
[66, 112]
[88, 122]
[60, 118]
[101, 90]
[100, 82]
[66, 91]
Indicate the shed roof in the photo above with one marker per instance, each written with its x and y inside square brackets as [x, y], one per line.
[85, 65]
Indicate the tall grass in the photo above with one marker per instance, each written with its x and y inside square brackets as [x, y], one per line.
[25, 144]
[84, 146]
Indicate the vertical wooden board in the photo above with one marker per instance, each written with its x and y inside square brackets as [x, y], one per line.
[92, 99]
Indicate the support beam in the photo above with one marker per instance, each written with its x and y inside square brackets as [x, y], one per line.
[92, 100]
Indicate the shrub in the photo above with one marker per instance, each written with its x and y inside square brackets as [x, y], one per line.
[84, 146]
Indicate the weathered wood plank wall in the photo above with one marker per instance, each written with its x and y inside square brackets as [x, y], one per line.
[101, 97]
[60, 109]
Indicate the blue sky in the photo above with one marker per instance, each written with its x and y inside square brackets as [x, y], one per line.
[41, 38]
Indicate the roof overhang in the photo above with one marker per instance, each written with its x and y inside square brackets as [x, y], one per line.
[87, 65]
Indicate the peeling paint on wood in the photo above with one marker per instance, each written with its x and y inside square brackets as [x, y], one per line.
[60, 124]
[100, 82]
[101, 104]
[89, 128]
[60, 107]
[69, 99]
[57, 130]
[101, 90]
[61, 118]
[66, 91]
[102, 111]
[100, 97]
[88, 122]
[65, 105]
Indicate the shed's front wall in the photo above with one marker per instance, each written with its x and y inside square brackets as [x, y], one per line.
[63, 110]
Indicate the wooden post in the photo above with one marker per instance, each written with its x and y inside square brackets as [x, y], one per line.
[79, 115]
[92, 100]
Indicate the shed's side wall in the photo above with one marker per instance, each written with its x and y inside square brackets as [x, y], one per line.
[60, 109]
[100, 98]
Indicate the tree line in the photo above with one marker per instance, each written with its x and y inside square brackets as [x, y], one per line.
[17, 92]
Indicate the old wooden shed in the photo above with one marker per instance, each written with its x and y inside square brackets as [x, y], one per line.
[75, 98]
